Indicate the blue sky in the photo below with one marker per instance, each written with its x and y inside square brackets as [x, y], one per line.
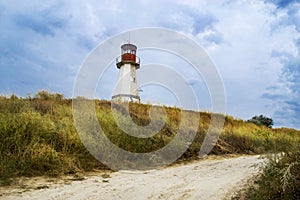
[254, 44]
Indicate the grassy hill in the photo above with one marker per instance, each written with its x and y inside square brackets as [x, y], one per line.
[38, 136]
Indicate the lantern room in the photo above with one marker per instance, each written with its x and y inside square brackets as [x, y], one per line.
[128, 55]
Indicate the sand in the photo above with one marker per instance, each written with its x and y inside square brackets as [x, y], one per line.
[204, 179]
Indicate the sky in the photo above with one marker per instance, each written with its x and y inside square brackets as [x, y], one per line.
[254, 44]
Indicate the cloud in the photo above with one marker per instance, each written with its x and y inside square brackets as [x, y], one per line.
[289, 16]
[26, 22]
[200, 20]
[46, 41]
[282, 3]
[255, 46]
[287, 105]
[38, 51]
[259, 45]
[291, 80]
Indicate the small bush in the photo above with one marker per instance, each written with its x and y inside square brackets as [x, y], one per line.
[262, 120]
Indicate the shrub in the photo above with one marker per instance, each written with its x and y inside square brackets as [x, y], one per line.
[262, 120]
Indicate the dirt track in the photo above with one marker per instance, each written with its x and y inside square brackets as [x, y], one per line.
[206, 179]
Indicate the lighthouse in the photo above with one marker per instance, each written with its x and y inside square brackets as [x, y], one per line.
[127, 88]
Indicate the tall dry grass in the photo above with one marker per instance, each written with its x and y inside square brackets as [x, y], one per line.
[38, 137]
[280, 178]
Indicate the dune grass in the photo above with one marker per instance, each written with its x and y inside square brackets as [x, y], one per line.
[279, 180]
[38, 136]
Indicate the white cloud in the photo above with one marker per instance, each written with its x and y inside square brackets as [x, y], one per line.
[251, 42]
[251, 32]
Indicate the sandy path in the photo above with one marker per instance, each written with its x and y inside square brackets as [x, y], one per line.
[206, 179]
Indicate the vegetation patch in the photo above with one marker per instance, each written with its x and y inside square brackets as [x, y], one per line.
[280, 179]
[38, 136]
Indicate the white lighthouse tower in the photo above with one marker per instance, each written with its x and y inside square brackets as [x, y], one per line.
[127, 87]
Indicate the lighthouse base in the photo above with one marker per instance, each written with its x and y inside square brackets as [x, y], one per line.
[126, 98]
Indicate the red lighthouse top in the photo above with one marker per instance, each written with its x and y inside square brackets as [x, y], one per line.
[128, 55]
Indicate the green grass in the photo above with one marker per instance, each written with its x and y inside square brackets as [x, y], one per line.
[38, 136]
